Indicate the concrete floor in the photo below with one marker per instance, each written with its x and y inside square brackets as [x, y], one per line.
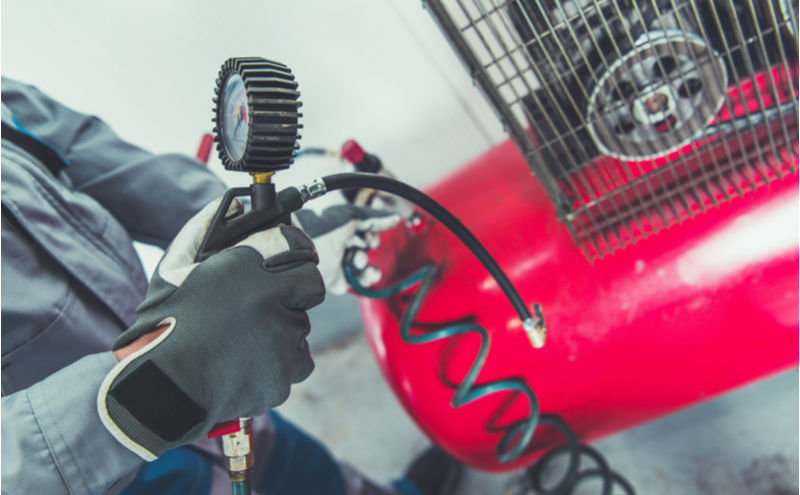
[743, 443]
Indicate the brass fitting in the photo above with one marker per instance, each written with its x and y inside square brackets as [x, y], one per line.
[262, 177]
[536, 334]
[535, 328]
[238, 449]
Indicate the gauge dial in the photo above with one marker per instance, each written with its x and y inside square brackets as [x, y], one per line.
[256, 115]
[235, 119]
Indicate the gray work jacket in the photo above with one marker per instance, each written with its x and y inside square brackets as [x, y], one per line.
[71, 282]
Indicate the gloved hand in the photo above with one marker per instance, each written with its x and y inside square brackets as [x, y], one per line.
[339, 228]
[389, 202]
[235, 341]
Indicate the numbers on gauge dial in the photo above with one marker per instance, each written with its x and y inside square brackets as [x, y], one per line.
[235, 120]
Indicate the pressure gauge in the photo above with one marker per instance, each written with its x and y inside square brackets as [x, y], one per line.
[256, 115]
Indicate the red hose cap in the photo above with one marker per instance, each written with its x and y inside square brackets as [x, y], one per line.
[204, 150]
[225, 428]
[352, 152]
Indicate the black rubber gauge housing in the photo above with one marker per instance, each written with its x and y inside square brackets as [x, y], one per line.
[256, 115]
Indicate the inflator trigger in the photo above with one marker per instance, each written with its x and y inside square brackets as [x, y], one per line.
[268, 210]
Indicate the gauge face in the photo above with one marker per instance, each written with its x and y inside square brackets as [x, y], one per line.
[255, 116]
[234, 117]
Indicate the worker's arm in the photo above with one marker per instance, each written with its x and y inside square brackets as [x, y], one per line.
[152, 196]
[232, 344]
[53, 441]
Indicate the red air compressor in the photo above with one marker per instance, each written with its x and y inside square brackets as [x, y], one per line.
[658, 232]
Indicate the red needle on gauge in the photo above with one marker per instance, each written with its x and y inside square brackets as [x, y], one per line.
[241, 115]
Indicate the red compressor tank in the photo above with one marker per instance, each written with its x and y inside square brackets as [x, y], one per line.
[680, 317]
[659, 232]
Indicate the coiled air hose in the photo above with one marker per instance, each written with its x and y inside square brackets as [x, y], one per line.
[518, 437]
[574, 477]
[467, 391]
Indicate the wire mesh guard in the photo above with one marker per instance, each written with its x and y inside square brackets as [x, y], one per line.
[636, 114]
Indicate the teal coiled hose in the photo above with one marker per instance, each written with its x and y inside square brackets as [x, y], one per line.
[467, 392]
[241, 487]
[519, 435]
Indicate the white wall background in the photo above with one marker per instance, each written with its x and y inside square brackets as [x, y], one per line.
[378, 71]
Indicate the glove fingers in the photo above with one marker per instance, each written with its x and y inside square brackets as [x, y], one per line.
[360, 260]
[364, 213]
[290, 256]
[286, 360]
[342, 227]
[378, 224]
[275, 245]
[372, 240]
[308, 289]
[301, 363]
[356, 242]
[369, 276]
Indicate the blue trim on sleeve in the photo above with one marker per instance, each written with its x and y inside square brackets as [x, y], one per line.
[28, 133]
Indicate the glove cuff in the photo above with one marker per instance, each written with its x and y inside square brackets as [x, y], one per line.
[126, 418]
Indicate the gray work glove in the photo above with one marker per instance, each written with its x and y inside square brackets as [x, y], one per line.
[235, 342]
[341, 227]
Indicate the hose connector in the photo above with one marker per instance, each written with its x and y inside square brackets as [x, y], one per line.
[535, 328]
[238, 450]
[312, 190]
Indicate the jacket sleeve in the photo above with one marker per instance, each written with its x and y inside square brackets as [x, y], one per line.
[152, 196]
[60, 446]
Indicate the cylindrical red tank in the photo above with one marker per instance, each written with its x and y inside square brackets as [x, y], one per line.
[689, 313]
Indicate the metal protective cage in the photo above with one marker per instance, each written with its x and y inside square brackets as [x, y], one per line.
[636, 114]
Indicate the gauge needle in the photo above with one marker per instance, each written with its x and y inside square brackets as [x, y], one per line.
[241, 117]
